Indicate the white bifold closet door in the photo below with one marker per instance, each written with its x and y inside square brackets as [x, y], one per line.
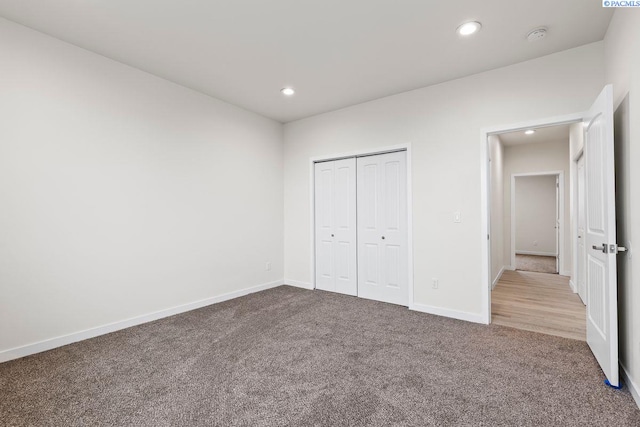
[382, 228]
[335, 228]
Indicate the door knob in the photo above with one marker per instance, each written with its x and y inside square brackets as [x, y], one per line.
[382, 237]
[602, 248]
[332, 235]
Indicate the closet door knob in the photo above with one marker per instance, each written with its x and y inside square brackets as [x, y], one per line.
[382, 237]
[332, 235]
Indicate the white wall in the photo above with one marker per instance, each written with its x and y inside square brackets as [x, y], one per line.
[533, 158]
[496, 156]
[622, 56]
[443, 123]
[122, 194]
[576, 140]
[535, 219]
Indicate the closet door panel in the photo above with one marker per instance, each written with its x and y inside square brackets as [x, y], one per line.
[335, 226]
[382, 228]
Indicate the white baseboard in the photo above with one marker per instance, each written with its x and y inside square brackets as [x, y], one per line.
[460, 315]
[509, 267]
[633, 387]
[497, 279]
[536, 253]
[573, 287]
[565, 273]
[298, 284]
[48, 344]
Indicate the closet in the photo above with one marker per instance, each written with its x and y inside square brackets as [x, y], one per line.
[361, 227]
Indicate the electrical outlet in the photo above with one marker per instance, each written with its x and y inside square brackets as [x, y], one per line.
[267, 266]
[434, 283]
[457, 217]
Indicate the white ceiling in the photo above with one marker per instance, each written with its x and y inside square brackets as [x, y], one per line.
[334, 52]
[545, 134]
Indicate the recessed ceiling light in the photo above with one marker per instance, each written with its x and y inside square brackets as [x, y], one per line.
[529, 132]
[287, 91]
[469, 28]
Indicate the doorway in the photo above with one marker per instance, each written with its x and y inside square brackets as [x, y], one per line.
[537, 221]
[533, 291]
[595, 128]
[361, 221]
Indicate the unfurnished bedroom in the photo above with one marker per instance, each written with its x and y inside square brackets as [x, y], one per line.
[362, 213]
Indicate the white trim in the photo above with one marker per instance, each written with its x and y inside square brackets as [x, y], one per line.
[535, 253]
[410, 223]
[566, 273]
[573, 286]
[498, 277]
[298, 284]
[560, 234]
[358, 153]
[574, 217]
[485, 201]
[51, 343]
[633, 387]
[485, 227]
[438, 311]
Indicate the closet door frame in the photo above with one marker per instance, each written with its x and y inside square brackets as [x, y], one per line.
[361, 153]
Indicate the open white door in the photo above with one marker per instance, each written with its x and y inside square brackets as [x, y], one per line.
[600, 233]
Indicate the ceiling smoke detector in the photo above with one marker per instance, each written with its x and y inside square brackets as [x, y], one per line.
[537, 34]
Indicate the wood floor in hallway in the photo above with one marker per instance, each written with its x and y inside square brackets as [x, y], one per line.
[538, 302]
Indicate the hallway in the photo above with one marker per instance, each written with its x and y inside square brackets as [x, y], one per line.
[538, 302]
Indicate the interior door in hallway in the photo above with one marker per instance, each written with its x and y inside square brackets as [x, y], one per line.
[557, 225]
[335, 226]
[383, 228]
[581, 255]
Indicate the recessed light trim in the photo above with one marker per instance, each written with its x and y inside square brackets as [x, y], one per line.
[529, 132]
[288, 91]
[469, 28]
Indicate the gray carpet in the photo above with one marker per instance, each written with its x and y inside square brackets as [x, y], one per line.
[536, 263]
[288, 356]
